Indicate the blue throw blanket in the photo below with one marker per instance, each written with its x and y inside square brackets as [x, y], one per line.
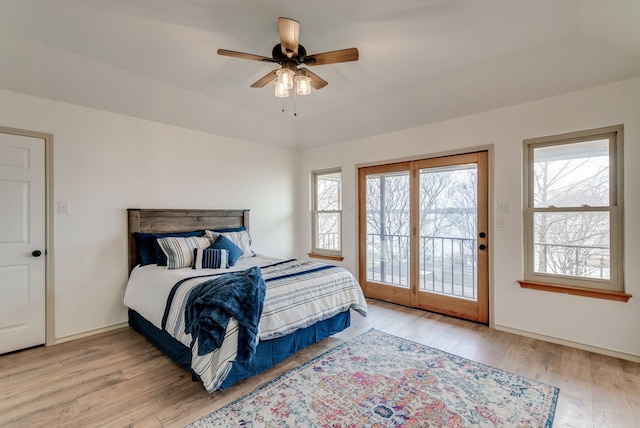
[211, 304]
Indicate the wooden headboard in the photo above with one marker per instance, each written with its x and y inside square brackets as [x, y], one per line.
[172, 220]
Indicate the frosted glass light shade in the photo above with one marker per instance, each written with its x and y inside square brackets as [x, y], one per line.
[284, 78]
[281, 91]
[303, 85]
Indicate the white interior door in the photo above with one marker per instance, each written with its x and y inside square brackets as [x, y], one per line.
[22, 242]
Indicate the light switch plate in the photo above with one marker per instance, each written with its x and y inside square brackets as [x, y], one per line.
[503, 206]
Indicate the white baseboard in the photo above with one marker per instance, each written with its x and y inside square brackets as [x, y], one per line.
[578, 345]
[89, 333]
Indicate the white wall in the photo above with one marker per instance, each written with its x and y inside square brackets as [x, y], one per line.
[611, 327]
[105, 163]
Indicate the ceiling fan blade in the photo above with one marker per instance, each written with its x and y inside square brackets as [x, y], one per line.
[342, 55]
[269, 77]
[289, 36]
[234, 54]
[317, 82]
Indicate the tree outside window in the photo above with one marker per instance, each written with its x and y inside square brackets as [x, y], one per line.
[327, 212]
[573, 214]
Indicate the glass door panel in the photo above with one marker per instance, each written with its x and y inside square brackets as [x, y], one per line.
[448, 230]
[387, 232]
[423, 234]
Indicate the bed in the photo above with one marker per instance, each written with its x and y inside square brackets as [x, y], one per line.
[298, 302]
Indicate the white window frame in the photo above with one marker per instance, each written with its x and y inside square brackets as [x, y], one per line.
[315, 250]
[615, 283]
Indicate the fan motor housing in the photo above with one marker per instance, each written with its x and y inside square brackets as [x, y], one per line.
[277, 54]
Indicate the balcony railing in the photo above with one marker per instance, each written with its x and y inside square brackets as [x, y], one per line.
[573, 260]
[329, 241]
[447, 265]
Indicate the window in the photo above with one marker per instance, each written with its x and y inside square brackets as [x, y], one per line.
[327, 213]
[573, 210]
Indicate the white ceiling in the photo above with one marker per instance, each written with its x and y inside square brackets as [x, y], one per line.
[421, 61]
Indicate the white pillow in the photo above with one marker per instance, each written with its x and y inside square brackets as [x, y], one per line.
[211, 235]
[179, 251]
[242, 240]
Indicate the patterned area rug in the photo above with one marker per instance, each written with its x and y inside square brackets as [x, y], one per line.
[380, 380]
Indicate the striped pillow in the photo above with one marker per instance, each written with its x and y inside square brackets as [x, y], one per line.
[223, 243]
[179, 251]
[242, 239]
[210, 258]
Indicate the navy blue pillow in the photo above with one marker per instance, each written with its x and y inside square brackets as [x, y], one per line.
[149, 253]
[210, 258]
[230, 229]
[223, 243]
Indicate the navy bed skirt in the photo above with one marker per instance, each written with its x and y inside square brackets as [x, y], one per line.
[268, 353]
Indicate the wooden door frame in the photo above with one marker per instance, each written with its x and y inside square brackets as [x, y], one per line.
[48, 226]
[483, 155]
[481, 158]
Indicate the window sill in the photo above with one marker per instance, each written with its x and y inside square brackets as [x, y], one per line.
[326, 257]
[577, 291]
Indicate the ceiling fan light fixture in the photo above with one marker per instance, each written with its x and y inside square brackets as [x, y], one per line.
[284, 78]
[303, 84]
[290, 54]
[281, 90]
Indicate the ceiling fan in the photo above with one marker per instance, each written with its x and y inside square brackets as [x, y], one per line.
[290, 54]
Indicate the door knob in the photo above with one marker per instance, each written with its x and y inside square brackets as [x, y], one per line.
[36, 253]
[482, 247]
[482, 234]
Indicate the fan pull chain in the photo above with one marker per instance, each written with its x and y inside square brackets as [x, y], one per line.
[295, 104]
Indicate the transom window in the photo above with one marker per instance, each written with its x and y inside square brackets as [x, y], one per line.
[573, 213]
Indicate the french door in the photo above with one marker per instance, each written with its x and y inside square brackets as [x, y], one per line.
[423, 234]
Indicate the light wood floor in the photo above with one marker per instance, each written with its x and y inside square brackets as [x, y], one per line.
[119, 379]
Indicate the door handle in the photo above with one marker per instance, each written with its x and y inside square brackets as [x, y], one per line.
[36, 253]
[482, 247]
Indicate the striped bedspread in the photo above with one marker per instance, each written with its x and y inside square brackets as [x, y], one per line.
[299, 293]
